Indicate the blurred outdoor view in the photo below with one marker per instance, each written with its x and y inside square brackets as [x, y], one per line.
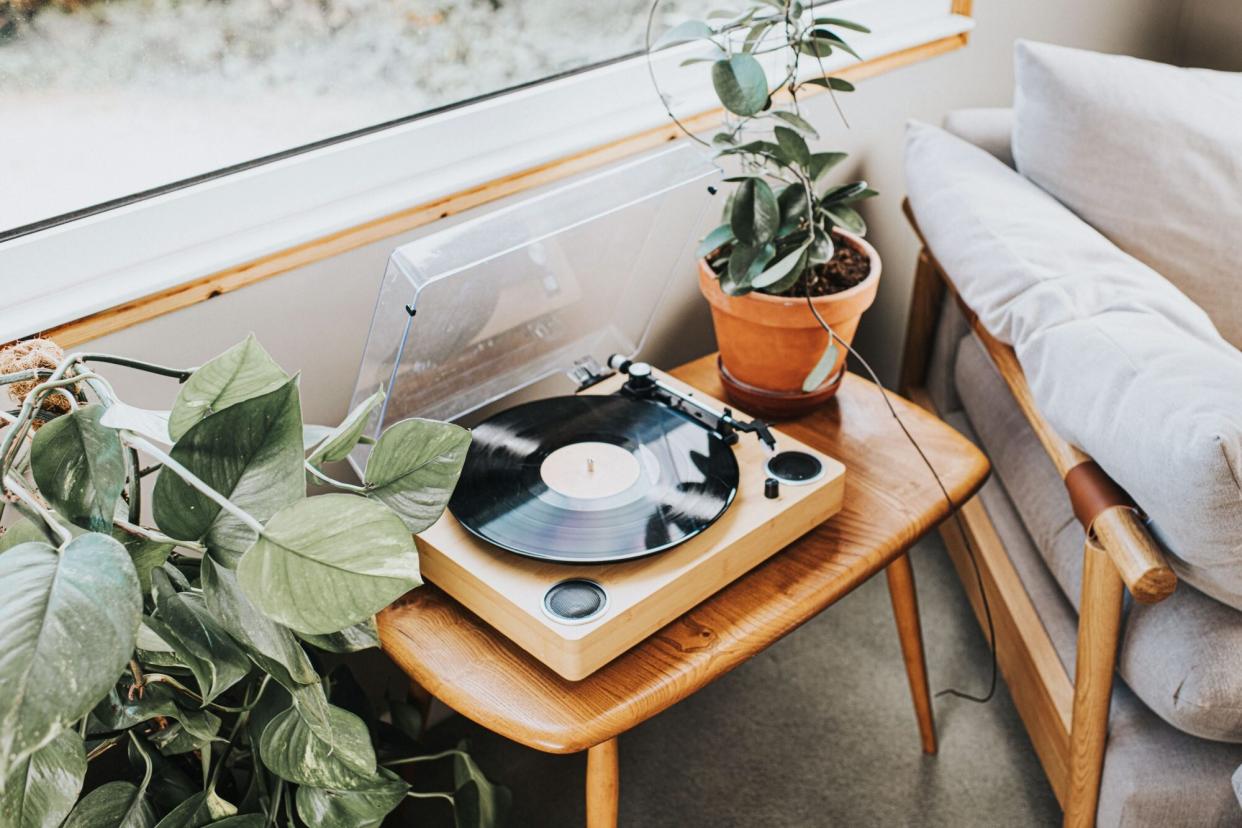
[102, 99]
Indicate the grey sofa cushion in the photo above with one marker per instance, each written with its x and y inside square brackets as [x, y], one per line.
[1120, 362]
[1154, 775]
[1148, 154]
[988, 128]
[1182, 657]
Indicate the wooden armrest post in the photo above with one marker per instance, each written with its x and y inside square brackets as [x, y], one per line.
[1099, 629]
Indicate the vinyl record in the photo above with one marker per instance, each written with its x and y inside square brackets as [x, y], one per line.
[593, 478]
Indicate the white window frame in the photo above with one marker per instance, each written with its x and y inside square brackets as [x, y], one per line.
[70, 271]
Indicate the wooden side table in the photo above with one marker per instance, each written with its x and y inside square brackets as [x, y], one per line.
[891, 500]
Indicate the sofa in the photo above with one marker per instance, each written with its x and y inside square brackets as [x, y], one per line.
[1094, 230]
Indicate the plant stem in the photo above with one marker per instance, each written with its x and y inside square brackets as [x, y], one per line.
[135, 488]
[331, 481]
[133, 440]
[25, 376]
[432, 795]
[139, 681]
[180, 374]
[276, 797]
[428, 758]
[103, 747]
[157, 537]
[12, 485]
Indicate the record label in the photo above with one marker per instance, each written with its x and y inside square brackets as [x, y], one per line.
[590, 470]
[592, 479]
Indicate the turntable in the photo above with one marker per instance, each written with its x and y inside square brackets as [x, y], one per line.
[593, 511]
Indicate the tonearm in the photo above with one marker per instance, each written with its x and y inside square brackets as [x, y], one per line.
[642, 384]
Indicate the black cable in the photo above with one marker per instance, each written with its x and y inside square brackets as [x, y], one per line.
[953, 509]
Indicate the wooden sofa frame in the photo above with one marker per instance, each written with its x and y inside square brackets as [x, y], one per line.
[1067, 721]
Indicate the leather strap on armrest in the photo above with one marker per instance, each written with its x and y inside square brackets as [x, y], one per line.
[1092, 491]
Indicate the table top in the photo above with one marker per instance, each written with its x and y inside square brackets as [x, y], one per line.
[891, 500]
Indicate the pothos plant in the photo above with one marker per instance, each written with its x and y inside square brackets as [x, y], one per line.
[779, 220]
[172, 672]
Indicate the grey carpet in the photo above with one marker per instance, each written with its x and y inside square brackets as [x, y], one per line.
[817, 731]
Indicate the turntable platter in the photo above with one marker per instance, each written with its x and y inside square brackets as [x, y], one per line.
[592, 479]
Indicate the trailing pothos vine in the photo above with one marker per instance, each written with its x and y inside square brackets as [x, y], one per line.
[779, 220]
[171, 671]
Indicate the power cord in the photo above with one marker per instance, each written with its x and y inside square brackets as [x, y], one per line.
[953, 509]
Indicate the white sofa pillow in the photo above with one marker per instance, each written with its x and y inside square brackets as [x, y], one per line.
[1120, 362]
[1148, 154]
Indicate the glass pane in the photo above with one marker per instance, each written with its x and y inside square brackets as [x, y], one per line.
[104, 99]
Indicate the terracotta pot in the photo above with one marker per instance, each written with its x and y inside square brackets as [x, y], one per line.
[768, 344]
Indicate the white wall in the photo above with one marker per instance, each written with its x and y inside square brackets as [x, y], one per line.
[315, 319]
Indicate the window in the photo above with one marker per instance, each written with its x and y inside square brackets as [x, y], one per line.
[183, 147]
[103, 99]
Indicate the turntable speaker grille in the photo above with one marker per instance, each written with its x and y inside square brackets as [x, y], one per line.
[575, 601]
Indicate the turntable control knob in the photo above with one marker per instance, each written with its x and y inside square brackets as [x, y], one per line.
[639, 370]
[771, 488]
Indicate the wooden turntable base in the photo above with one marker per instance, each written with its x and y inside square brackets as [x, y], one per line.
[507, 590]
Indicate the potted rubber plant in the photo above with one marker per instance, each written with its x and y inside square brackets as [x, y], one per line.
[788, 261]
[178, 616]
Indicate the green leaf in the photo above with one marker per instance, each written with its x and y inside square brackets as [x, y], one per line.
[820, 372]
[364, 636]
[784, 267]
[414, 467]
[270, 645]
[241, 373]
[344, 437]
[67, 631]
[797, 122]
[683, 33]
[252, 454]
[147, 555]
[843, 194]
[741, 84]
[793, 145]
[184, 621]
[22, 531]
[241, 821]
[79, 466]
[112, 805]
[714, 240]
[344, 761]
[352, 809]
[755, 36]
[756, 214]
[313, 435]
[847, 217]
[822, 162]
[842, 23]
[853, 196]
[328, 562]
[815, 46]
[821, 249]
[204, 808]
[821, 35]
[143, 421]
[117, 711]
[794, 212]
[477, 802]
[42, 788]
[745, 263]
[836, 84]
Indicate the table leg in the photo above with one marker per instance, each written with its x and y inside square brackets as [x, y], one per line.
[603, 780]
[906, 612]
